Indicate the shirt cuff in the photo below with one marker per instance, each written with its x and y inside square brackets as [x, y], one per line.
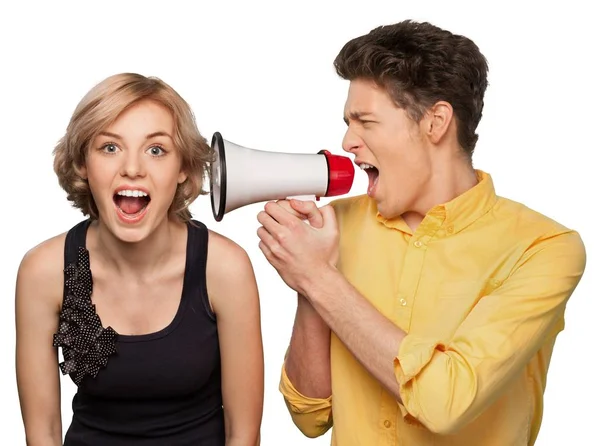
[414, 354]
[300, 403]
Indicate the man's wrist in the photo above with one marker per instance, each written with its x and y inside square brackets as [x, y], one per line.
[313, 286]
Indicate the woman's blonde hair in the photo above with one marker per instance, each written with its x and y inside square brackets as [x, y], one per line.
[99, 108]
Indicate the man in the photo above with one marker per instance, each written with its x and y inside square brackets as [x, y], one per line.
[427, 308]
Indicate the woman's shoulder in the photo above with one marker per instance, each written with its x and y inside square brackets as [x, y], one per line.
[41, 268]
[225, 254]
[42, 258]
[229, 272]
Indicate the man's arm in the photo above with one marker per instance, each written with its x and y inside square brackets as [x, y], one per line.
[306, 375]
[372, 338]
[308, 363]
[445, 385]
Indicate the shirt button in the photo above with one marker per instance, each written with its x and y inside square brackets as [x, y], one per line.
[418, 243]
[403, 302]
[387, 423]
[450, 229]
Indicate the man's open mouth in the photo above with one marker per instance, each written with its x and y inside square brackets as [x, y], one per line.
[371, 171]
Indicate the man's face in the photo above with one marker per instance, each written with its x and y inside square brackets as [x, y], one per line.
[389, 146]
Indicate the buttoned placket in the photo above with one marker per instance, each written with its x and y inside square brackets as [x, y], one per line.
[406, 290]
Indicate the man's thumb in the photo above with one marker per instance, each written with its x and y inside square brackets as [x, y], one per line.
[328, 215]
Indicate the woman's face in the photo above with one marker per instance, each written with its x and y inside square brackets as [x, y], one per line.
[133, 169]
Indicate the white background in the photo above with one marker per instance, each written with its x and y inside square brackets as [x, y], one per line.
[262, 75]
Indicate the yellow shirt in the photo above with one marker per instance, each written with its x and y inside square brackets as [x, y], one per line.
[480, 287]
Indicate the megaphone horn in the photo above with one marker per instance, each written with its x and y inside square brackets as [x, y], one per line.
[240, 176]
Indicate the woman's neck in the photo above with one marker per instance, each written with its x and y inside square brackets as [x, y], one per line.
[140, 259]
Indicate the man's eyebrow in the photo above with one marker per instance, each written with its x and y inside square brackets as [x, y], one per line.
[356, 115]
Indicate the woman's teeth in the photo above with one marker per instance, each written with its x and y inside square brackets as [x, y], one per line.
[132, 193]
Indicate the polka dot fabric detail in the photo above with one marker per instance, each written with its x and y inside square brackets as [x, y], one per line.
[86, 345]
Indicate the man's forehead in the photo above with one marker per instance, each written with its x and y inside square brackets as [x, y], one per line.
[359, 105]
[361, 100]
[366, 99]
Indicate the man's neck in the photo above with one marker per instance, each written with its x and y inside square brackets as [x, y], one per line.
[445, 184]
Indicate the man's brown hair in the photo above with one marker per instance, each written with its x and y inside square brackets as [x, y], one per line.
[419, 64]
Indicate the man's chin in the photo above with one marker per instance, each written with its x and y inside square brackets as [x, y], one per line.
[383, 211]
[387, 212]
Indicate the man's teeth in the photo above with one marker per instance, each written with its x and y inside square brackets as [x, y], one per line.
[132, 193]
[365, 166]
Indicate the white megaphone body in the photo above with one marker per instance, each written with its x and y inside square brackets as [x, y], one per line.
[241, 176]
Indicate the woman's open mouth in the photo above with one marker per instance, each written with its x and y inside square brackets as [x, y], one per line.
[131, 204]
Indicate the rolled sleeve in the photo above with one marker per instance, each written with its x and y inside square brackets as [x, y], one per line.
[415, 353]
[312, 416]
[445, 385]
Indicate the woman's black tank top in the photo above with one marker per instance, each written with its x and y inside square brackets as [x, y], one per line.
[162, 388]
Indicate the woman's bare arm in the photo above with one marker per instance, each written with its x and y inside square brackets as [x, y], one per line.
[234, 296]
[37, 303]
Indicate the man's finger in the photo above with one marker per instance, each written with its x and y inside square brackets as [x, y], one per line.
[328, 215]
[285, 204]
[310, 210]
[266, 252]
[270, 224]
[265, 237]
[280, 215]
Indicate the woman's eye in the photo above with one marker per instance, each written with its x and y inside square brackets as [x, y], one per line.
[156, 151]
[110, 148]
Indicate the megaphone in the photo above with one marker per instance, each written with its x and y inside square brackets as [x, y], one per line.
[240, 176]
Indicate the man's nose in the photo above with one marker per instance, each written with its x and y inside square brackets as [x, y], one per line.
[351, 141]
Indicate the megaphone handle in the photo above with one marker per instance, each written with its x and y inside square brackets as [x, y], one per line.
[303, 197]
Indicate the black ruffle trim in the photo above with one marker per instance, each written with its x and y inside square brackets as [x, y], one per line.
[86, 345]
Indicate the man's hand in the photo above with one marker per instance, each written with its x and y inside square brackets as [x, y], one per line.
[307, 210]
[298, 251]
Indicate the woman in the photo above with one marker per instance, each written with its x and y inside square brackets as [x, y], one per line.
[156, 316]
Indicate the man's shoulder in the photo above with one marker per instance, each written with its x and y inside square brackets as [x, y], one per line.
[351, 205]
[523, 214]
[524, 221]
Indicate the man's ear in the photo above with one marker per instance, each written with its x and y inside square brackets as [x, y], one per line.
[438, 121]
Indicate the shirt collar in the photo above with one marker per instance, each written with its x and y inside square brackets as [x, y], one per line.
[456, 214]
